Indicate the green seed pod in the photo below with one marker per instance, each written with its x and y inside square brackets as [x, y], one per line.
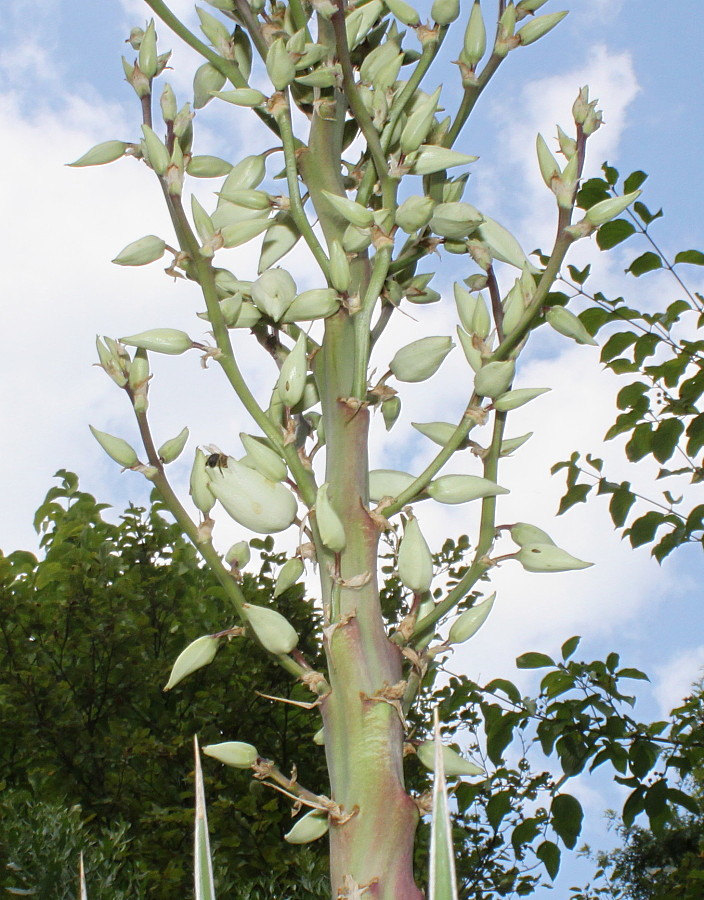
[147, 59]
[206, 82]
[548, 558]
[419, 123]
[403, 11]
[415, 561]
[453, 763]
[513, 399]
[233, 753]
[172, 449]
[549, 168]
[294, 371]
[281, 236]
[539, 26]
[510, 445]
[356, 240]
[444, 12]
[421, 359]
[106, 152]
[455, 220]
[139, 253]
[438, 432]
[522, 534]
[248, 97]
[308, 828]
[290, 572]
[431, 158]
[250, 498]
[470, 621]
[352, 212]
[472, 353]
[463, 488]
[274, 631]
[263, 458]
[208, 167]
[273, 292]
[565, 322]
[340, 272]
[606, 210]
[494, 378]
[474, 37]
[332, 531]
[116, 448]
[390, 410]
[202, 496]
[414, 213]
[388, 483]
[503, 245]
[317, 303]
[160, 340]
[242, 232]
[280, 65]
[197, 654]
[238, 555]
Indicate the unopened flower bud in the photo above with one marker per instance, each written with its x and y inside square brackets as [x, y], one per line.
[474, 37]
[233, 753]
[390, 410]
[539, 26]
[106, 152]
[606, 210]
[567, 323]
[250, 498]
[160, 340]
[172, 449]
[414, 213]
[519, 397]
[415, 561]
[290, 572]
[494, 378]
[117, 449]
[292, 378]
[470, 621]
[156, 153]
[197, 654]
[340, 272]
[279, 65]
[248, 97]
[353, 212]
[310, 827]
[403, 11]
[273, 292]
[147, 58]
[444, 12]
[388, 483]
[463, 488]
[332, 531]
[140, 252]
[453, 764]
[548, 558]
[206, 81]
[421, 359]
[431, 158]
[274, 631]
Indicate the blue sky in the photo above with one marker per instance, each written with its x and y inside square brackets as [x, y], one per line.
[63, 90]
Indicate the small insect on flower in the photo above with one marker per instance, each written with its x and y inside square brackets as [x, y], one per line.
[217, 459]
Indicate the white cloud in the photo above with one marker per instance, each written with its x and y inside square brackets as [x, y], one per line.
[674, 679]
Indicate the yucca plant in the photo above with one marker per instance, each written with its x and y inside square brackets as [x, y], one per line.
[374, 183]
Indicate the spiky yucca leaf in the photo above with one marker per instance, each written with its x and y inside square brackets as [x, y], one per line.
[202, 862]
[82, 879]
[442, 880]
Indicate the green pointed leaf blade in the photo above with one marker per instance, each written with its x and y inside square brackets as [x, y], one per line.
[442, 880]
[82, 880]
[202, 861]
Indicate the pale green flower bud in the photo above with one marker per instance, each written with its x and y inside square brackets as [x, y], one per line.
[251, 199]
[382, 65]
[430, 158]
[421, 359]
[310, 827]
[419, 123]
[565, 322]
[233, 753]
[139, 370]
[238, 555]
[566, 185]
[280, 65]
[292, 378]
[525, 7]
[403, 11]
[135, 38]
[162, 61]
[444, 12]
[172, 449]
[414, 213]
[503, 244]
[549, 168]
[523, 533]
[167, 102]
[455, 220]
[216, 33]
[156, 153]
[548, 558]
[206, 81]
[470, 621]
[242, 232]
[147, 59]
[113, 361]
[606, 210]
[138, 80]
[539, 26]
[481, 320]
[438, 432]
[247, 317]
[463, 488]
[519, 397]
[313, 54]
[290, 572]
[322, 77]
[197, 654]
[474, 37]
[359, 22]
[466, 304]
[208, 167]
[494, 378]
[250, 498]
[390, 411]
[415, 561]
[273, 292]
[317, 303]
[160, 340]
[200, 492]
[388, 483]
[513, 307]
[117, 449]
[332, 531]
[352, 212]
[183, 125]
[140, 252]
[262, 458]
[480, 252]
[281, 237]
[319, 737]
[101, 154]
[510, 445]
[453, 763]
[340, 272]
[568, 145]
[274, 631]
[248, 97]
[453, 188]
[356, 240]
[201, 219]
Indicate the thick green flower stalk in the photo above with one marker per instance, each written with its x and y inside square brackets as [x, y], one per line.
[375, 170]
